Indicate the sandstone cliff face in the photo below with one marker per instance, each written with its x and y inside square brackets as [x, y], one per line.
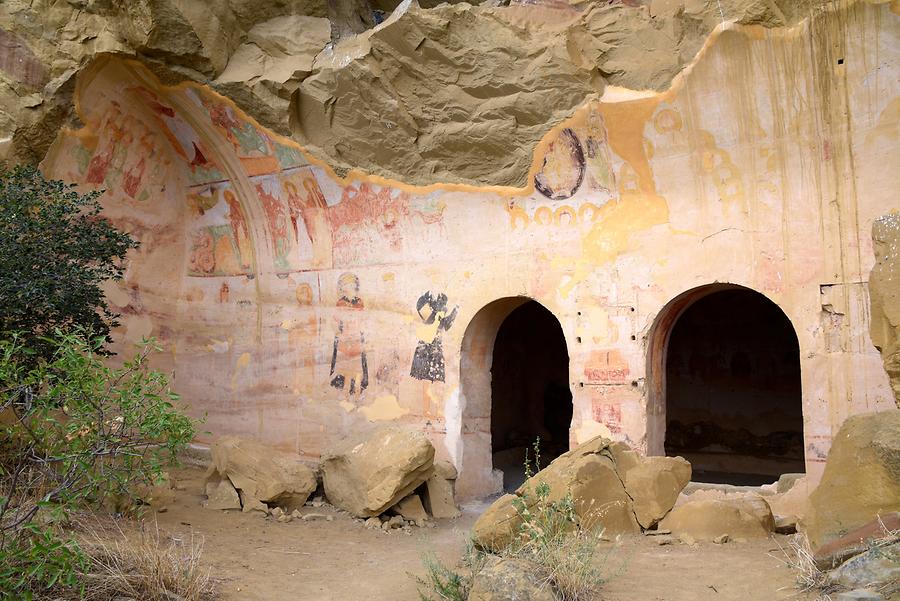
[294, 305]
[449, 93]
[884, 295]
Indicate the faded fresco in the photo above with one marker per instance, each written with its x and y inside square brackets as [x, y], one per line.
[296, 304]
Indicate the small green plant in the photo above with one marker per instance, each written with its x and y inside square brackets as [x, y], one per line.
[56, 251]
[551, 536]
[74, 432]
[442, 582]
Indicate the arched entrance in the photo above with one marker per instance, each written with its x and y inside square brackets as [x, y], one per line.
[514, 388]
[725, 369]
[530, 396]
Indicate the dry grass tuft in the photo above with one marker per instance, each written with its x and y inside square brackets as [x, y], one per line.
[144, 565]
[799, 557]
[568, 563]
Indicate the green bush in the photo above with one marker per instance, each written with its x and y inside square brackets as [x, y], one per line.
[55, 252]
[73, 432]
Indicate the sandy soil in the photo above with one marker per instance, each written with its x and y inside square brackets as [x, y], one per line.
[258, 559]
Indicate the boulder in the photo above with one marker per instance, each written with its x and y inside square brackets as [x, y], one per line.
[221, 494]
[262, 475]
[496, 528]
[595, 474]
[510, 580]
[876, 567]
[654, 485]
[756, 506]
[367, 474]
[861, 479]
[411, 508]
[438, 498]
[884, 296]
[708, 519]
[589, 474]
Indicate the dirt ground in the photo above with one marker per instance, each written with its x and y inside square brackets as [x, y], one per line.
[259, 559]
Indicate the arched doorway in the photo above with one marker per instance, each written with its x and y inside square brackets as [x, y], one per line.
[514, 388]
[726, 374]
[530, 396]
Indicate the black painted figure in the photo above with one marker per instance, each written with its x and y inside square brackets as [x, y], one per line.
[428, 361]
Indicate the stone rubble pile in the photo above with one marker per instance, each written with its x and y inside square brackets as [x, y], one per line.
[611, 486]
[386, 479]
[248, 475]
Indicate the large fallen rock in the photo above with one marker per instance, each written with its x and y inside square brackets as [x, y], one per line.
[884, 296]
[496, 528]
[861, 479]
[654, 486]
[439, 500]
[510, 580]
[367, 474]
[261, 474]
[589, 475]
[710, 519]
[221, 494]
[597, 475]
[411, 508]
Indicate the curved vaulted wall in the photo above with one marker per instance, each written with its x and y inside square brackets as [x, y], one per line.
[295, 306]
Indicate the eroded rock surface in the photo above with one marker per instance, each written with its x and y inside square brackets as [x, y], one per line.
[463, 94]
[861, 479]
[439, 495]
[876, 567]
[262, 475]
[713, 519]
[884, 296]
[367, 474]
[654, 486]
[447, 93]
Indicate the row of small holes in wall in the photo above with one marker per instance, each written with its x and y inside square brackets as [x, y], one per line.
[633, 337]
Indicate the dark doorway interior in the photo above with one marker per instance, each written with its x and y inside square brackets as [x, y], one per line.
[733, 397]
[530, 394]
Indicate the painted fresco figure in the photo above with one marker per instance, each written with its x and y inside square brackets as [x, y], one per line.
[311, 209]
[349, 368]
[428, 360]
[239, 228]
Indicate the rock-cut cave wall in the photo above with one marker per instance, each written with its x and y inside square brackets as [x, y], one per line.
[300, 294]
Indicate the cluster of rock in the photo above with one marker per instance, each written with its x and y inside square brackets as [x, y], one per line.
[853, 518]
[617, 489]
[611, 486]
[389, 471]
